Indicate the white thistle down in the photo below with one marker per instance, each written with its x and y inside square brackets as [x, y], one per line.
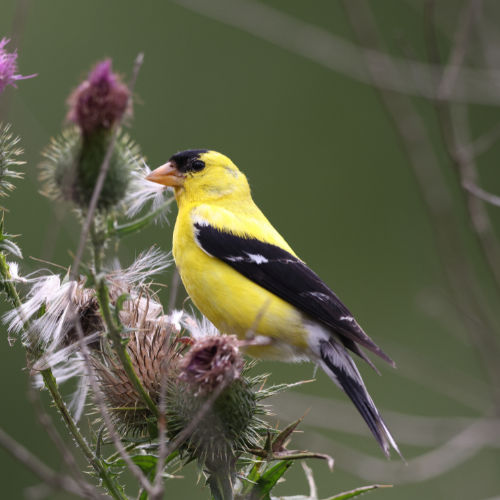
[15, 275]
[60, 301]
[142, 192]
[147, 263]
[199, 328]
[65, 302]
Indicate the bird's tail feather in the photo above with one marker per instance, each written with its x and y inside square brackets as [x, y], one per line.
[338, 365]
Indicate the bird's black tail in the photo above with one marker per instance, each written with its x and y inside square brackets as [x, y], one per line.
[339, 366]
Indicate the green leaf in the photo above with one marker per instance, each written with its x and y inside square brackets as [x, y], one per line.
[146, 463]
[268, 480]
[137, 224]
[359, 491]
[279, 442]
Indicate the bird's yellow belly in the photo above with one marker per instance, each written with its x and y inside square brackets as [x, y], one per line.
[237, 306]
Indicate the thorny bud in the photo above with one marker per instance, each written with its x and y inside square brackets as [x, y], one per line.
[8, 67]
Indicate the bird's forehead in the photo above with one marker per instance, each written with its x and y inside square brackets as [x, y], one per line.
[182, 158]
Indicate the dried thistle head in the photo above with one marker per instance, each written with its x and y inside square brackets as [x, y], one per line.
[154, 354]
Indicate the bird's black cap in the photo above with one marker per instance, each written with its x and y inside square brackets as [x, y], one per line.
[187, 161]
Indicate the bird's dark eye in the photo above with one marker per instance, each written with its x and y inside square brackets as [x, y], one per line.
[197, 165]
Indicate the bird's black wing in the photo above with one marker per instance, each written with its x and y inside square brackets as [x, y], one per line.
[289, 278]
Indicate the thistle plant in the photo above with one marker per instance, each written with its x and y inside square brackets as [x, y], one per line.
[160, 388]
[8, 66]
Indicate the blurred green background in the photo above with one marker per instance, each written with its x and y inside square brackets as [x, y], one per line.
[328, 168]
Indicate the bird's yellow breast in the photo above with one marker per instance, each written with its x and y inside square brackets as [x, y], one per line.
[232, 302]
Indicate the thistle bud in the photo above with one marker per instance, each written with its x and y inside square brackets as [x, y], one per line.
[99, 102]
[74, 160]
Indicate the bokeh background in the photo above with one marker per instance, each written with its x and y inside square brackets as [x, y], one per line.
[359, 180]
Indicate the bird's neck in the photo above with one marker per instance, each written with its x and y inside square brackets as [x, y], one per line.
[233, 200]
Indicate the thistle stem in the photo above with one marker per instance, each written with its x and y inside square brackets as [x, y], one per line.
[8, 286]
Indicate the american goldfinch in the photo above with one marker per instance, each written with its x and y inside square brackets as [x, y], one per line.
[244, 277]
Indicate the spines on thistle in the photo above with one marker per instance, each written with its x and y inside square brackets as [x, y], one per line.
[10, 153]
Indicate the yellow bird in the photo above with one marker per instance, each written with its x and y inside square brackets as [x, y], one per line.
[244, 277]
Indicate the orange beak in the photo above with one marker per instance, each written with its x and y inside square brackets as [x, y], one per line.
[167, 174]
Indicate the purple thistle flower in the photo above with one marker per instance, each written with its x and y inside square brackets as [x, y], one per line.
[8, 67]
[100, 101]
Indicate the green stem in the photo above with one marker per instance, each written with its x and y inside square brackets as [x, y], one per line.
[51, 384]
[137, 224]
[9, 287]
[119, 347]
[97, 247]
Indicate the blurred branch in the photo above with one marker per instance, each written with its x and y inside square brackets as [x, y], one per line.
[46, 474]
[409, 429]
[486, 141]
[480, 193]
[457, 55]
[424, 467]
[459, 154]
[339, 54]
[462, 280]
[67, 456]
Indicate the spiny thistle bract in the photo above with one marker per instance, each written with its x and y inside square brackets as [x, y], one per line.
[69, 170]
[9, 159]
[73, 161]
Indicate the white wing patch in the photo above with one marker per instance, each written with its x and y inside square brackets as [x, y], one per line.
[349, 319]
[200, 222]
[323, 297]
[251, 257]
